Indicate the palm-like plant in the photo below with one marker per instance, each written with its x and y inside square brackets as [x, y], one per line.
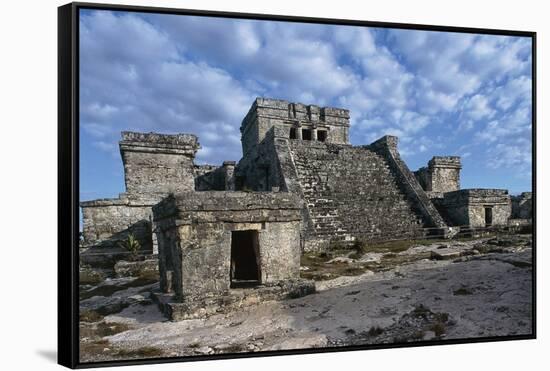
[131, 244]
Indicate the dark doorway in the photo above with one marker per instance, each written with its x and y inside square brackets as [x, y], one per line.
[306, 134]
[245, 259]
[488, 216]
[321, 135]
[292, 133]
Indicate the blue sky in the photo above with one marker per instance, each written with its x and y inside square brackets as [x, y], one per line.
[441, 93]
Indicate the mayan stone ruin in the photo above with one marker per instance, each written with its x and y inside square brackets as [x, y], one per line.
[228, 234]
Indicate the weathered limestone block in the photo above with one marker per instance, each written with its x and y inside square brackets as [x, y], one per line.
[158, 163]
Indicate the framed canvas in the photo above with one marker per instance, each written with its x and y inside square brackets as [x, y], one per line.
[237, 185]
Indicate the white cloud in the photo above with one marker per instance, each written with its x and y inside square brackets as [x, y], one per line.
[477, 107]
[200, 75]
[511, 155]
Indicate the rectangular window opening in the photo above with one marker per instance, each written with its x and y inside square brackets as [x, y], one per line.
[293, 133]
[321, 135]
[245, 259]
[306, 134]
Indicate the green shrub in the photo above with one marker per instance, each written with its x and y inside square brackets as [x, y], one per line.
[131, 244]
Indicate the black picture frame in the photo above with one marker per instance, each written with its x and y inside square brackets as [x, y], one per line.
[68, 177]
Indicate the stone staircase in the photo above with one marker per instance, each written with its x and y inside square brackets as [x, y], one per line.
[351, 192]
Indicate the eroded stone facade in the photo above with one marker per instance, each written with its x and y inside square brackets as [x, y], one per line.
[206, 237]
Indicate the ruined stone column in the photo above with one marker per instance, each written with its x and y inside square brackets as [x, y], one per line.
[299, 130]
[314, 133]
[229, 174]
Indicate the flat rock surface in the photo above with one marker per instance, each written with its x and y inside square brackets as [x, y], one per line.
[468, 297]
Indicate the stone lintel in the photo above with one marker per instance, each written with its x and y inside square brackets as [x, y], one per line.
[445, 161]
[231, 206]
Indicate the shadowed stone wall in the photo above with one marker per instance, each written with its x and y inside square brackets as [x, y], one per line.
[522, 206]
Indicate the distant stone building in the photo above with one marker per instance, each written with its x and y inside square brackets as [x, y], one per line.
[477, 208]
[299, 186]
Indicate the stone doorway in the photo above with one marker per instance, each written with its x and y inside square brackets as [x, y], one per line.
[245, 259]
[488, 216]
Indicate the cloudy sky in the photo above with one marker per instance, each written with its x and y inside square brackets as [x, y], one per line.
[440, 93]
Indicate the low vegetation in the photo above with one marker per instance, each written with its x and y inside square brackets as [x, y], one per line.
[131, 244]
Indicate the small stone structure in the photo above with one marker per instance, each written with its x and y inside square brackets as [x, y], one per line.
[478, 208]
[213, 242]
[233, 233]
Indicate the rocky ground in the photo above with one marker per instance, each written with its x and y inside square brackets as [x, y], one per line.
[385, 294]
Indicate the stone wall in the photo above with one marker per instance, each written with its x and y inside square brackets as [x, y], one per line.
[194, 234]
[106, 222]
[260, 169]
[158, 163]
[522, 206]
[467, 207]
[215, 178]
[209, 178]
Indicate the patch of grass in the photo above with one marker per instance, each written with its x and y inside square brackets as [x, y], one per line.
[143, 352]
[108, 329]
[438, 328]
[418, 335]
[421, 311]
[194, 344]
[234, 348]
[90, 316]
[338, 245]
[360, 246]
[355, 292]
[90, 349]
[463, 291]
[375, 331]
